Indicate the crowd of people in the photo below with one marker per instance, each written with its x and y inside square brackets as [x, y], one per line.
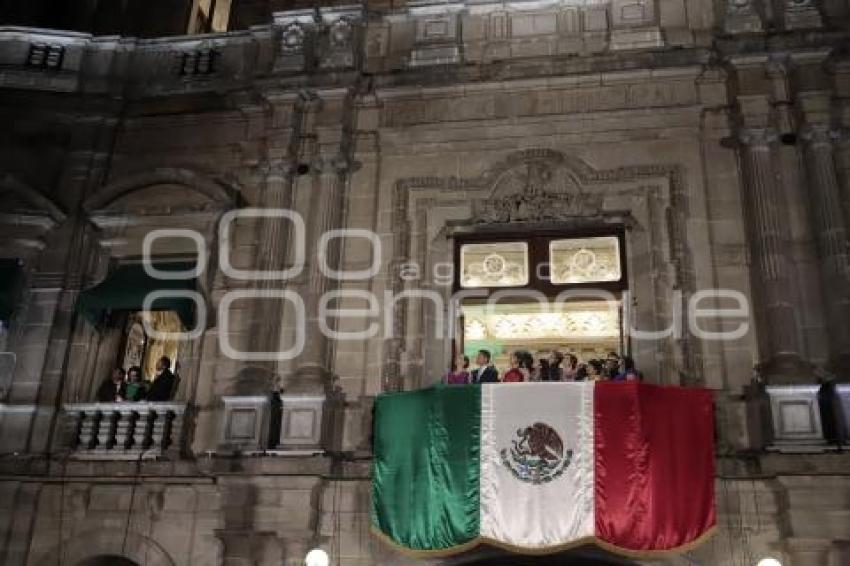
[556, 367]
[130, 386]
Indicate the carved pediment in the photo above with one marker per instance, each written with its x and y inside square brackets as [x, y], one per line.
[536, 186]
[161, 200]
[162, 191]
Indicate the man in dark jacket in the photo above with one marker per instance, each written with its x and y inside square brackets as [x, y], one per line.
[165, 383]
[112, 388]
[486, 372]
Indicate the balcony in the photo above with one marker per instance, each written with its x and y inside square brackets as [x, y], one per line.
[127, 431]
[291, 425]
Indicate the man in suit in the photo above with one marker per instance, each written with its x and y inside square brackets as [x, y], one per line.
[486, 372]
[165, 383]
[112, 390]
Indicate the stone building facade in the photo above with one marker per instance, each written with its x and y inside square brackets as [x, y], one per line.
[713, 134]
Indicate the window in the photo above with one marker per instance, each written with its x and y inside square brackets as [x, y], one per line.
[584, 260]
[144, 351]
[549, 262]
[571, 267]
[503, 264]
[209, 16]
[130, 336]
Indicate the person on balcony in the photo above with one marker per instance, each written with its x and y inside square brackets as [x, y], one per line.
[113, 388]
[612, 365]
[581, 373]
[521, 367]
[596, 371]
[137, 388]
[459, 373]
[627, 371]
[486, 372]
[542, 371]
[165, 384]
[571, 371]
[556, 372]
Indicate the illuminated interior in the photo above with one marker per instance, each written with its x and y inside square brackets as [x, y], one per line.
[209, 16]
[588, 329]
[503, 264]
[143, 350]
[585, 260]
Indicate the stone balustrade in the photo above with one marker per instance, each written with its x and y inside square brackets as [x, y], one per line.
[127, 431]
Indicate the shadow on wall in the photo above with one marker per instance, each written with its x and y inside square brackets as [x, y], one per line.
[586, 555]
[107, 560]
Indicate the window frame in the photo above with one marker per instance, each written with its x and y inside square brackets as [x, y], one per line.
[538, 256]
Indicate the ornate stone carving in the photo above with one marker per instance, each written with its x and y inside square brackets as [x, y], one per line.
[537, 189]
[741, 17]
[758, 138]
[802, 14]
[340, 32]
[292, 38]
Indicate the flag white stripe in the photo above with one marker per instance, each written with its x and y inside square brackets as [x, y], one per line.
[559, 508]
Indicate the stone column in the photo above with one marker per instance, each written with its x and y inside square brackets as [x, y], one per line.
[329, 182]
[272, 242]
[771, 267]
[830, 233]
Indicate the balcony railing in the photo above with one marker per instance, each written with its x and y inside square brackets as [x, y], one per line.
[127, 431]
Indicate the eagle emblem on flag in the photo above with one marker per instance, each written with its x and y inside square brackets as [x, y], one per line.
[537, 455]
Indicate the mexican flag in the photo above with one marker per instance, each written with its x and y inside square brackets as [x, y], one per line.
[541, 467]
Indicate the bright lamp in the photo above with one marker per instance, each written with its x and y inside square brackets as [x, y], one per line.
[318, 557]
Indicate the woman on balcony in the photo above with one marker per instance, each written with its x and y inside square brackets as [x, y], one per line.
[521, 365]
[459, 374]
[137, 388]
[596, 371]
[571, 371]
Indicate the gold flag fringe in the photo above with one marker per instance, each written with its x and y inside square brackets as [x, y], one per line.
[541, 550]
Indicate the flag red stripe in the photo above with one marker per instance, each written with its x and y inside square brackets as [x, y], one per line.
[654, 465]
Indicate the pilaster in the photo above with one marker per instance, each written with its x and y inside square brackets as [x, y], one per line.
[781, 359]
[830, 230]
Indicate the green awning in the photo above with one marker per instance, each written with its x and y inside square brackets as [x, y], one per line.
[126, 289]
[10, 276]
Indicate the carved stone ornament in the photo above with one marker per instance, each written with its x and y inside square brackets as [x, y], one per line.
[292, 38]
[340, 33]
[742, 17]
[536, 190]
[802, 14]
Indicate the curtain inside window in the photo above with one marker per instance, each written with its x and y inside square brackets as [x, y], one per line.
[128, 285]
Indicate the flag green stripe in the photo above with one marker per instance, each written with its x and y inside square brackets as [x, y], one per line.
[425, 484]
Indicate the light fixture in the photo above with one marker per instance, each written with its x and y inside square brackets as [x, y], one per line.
[769, 561]
[318, 557]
